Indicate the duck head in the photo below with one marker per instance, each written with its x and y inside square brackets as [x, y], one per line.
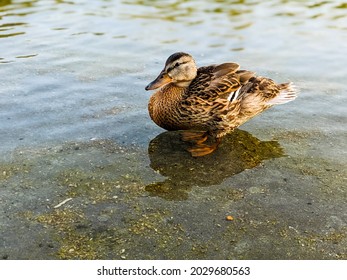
[180, 69]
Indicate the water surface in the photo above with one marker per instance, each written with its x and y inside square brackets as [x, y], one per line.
[74, 124]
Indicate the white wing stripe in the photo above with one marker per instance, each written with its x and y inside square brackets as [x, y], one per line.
[232, 96]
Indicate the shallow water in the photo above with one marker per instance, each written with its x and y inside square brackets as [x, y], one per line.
[74, 124]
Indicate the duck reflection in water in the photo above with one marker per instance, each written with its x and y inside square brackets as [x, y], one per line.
[168, 156]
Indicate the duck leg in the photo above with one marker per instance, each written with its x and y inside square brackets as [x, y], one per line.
[197, 137]
[201, 149]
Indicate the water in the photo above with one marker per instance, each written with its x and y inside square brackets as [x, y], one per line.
[74, 124]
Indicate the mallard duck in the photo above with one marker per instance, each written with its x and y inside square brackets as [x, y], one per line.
[208, 102]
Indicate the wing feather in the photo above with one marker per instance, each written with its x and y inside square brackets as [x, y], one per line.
[219, 81]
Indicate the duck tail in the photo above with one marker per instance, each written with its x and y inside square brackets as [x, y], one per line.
[288, 92]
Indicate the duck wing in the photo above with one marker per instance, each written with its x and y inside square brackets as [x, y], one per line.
[221, 81]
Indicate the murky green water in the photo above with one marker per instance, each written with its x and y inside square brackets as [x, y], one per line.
[74, 129]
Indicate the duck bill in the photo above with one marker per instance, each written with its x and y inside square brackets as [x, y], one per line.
[161, 80]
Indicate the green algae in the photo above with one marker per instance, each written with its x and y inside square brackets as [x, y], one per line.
[96, 187]
[7, 170]
[80, 183]
[115, 214]
[75, 242]
[78, 238]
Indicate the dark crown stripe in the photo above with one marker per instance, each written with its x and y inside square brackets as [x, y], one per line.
[175, 56]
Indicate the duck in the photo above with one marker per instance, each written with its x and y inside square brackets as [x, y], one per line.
[206, 103]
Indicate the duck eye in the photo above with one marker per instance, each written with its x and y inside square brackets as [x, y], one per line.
[177, 64]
